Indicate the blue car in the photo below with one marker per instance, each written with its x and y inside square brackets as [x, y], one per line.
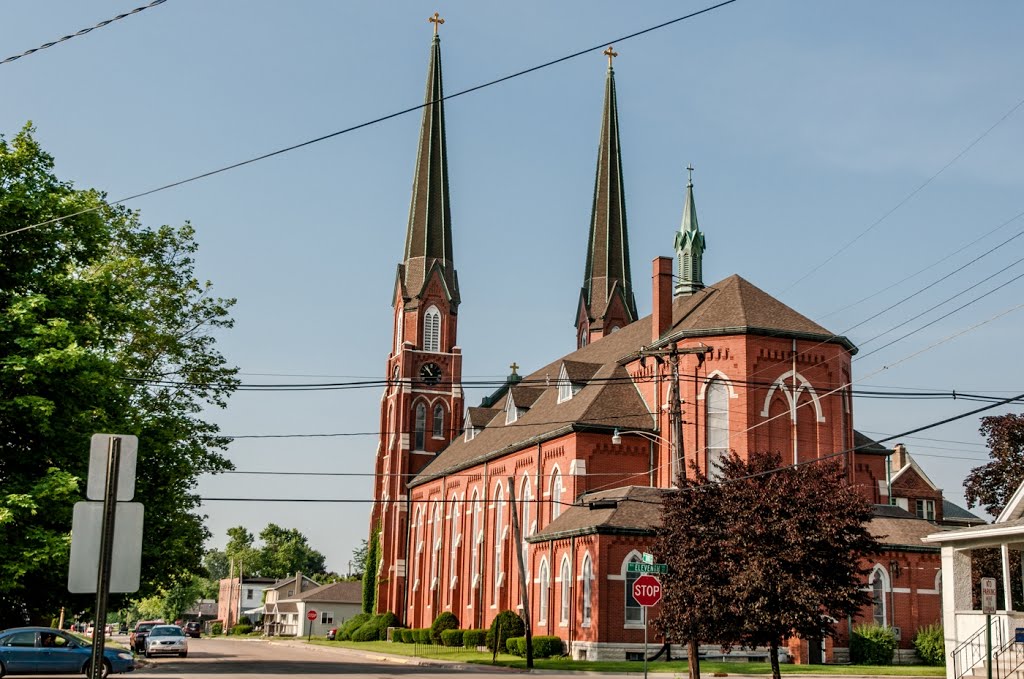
[43, 650]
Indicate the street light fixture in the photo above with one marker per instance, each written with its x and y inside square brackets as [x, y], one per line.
[650, 436]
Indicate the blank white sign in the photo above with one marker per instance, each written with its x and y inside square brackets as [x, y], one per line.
[86, 530]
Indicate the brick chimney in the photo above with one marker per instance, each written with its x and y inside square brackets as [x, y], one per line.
[661, 316]
[899, 458]
[298, 583]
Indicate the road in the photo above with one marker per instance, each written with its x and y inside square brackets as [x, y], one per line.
[218, 658]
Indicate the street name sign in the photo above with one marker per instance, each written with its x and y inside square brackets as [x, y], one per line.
[637, 567]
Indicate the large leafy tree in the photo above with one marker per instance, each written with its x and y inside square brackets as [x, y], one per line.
[103, 328]
[283, 552]
[992, 484]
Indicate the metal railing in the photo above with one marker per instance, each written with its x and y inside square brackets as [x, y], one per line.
[1007, 659]
[973, 651]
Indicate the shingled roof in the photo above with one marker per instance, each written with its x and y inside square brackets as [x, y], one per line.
[631, 510]
[608, 399]
[896, 527]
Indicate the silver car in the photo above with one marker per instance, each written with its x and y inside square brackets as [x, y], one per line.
[166, 640]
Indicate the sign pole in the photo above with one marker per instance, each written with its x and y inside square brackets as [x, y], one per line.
[309, 634]
[99, 633]
[644, 609]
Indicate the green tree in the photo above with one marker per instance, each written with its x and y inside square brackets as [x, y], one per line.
[103, 328]
[358, 562]
[285, 551]
[216, 563]
[182, 595]
[370, 573]
[992, 484]
[241, 553]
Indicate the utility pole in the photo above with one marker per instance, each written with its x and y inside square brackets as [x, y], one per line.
[517, 535]
[673, 352]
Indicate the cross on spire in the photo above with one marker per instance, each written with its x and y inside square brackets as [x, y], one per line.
[689, 169]
[515, 367]
[436, 20]
[610, 54]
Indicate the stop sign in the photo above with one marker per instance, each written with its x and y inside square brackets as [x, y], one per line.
[311, 616]
[647, 590]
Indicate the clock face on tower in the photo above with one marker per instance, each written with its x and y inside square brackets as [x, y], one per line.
[430, 373]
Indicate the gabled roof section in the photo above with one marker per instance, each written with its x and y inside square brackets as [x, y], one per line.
[428, 240]
[608, 246]
[478, 418]
[1014, 509]
[630, 510]
[866, 444]
[953, 513]
[525, 397]
[736, 306]
[912, 467]
[346, 592]
[897, 528]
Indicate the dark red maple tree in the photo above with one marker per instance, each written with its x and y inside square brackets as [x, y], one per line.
[992, 484]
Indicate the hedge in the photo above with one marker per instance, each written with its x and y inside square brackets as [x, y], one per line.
[472, 638]
[217, 629]
[451, 637]
[421, 636]
[404, 636]
[351, 625]
[543, 646]
[872, 645]
[509, 624]
[929, 642]
[445, 620]
[241, 629]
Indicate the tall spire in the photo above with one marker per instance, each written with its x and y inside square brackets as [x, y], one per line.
[606, 301]
[689, 246]
[428, 241]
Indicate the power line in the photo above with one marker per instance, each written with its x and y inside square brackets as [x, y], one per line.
[101, 24]
[375, 121]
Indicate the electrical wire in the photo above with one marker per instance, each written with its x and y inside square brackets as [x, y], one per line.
[376, 121]
[101, 24]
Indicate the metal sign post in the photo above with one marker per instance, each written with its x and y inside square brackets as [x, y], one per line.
[988, 607]
[647, 592]
[311, 616]
[99, 635]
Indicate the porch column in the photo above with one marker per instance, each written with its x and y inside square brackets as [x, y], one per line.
[956, 594]
[1004, 552]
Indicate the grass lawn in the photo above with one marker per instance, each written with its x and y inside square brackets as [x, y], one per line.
[675, 667]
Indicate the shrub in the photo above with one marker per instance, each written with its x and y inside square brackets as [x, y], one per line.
[872, 645]
[217, 628]
[451, 637]
[241, 629]
[546, 647]
[244, 620]
[516, 646]
[421, 635]
[471, 638]
[406, 636]
[383, 621]
[444, 621]
[929, 642]
[351, 625]
[366, 632]
[506, 624]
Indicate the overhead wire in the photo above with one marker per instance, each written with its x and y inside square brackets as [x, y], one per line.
[374, 121]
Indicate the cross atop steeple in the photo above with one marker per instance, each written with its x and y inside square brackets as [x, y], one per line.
[610, 54]
[436, 20]
[689, 169]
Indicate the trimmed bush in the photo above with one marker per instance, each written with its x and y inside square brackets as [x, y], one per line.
[516, 646]
[444, 621]
[929, 642]
[217, 628]
[547, 647]
[421, 635]
[451, 637]
[872, 645]
[367, 631]
[406, 636]
[506, 625]
[241, 629]
[383, 621]
[351, 625]
[472, 638]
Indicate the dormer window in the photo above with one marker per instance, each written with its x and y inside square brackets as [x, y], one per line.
[511, 412]
[566, 388]
[470, 433]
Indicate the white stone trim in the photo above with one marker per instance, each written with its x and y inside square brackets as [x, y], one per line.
[803, 385]
[717, 374]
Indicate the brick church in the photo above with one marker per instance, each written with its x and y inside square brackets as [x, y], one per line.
[574, 444]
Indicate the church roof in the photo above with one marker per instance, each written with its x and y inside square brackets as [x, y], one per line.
[955, 513]
[428, 240]
[736, 306]
[896, 528]
[631, 510]
[866, 444]
[607, 265]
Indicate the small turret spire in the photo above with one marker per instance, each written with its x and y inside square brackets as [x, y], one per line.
[689, 245]
[606, 300]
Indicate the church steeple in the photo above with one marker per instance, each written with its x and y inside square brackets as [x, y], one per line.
[606, 300]
[689, 246]
[428, 240]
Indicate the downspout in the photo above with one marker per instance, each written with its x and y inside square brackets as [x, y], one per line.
[551, 590]
[650, 463]
[792, 405]
[888, 478]
[440, 557]
[408, 564]
[480, 551]
[572, 591]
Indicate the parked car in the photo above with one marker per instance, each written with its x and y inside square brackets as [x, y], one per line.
[166, 640]
[332, 634]
[193, 629]
[137, 639]
[44, 650]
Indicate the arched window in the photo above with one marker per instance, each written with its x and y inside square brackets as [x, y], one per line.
[417, 526]
[527, 501]
[453, 535]
[556, 494]
[588, 590]
[716, 403]
[634, 612]
[879, 584]
[435, 558]
[432, 330]
[438, 421]
[399, 322]
[477, 537]
[545, 588]
[421, 427]
[499, 520]
[566, 578]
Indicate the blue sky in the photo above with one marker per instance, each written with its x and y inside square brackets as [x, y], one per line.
[807, 122]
